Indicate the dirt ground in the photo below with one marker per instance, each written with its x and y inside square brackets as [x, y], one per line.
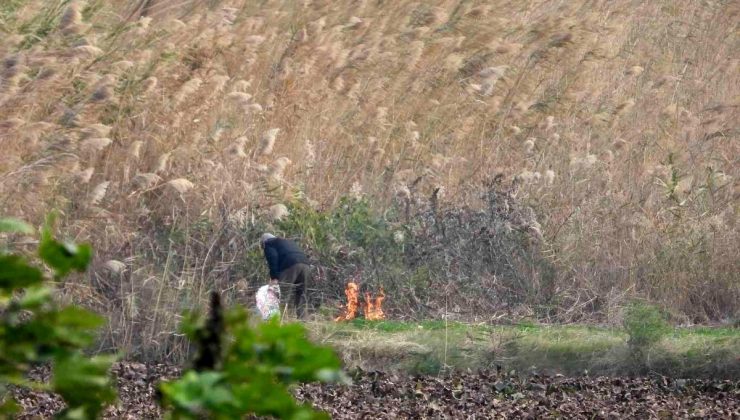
[479, 395]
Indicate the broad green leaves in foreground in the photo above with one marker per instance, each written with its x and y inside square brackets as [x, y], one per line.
[250, 371]
[35, 330]
[63, 257]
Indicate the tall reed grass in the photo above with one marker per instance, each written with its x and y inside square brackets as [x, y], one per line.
[162, 128]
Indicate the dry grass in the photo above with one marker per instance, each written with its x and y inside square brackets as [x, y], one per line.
[618, 121]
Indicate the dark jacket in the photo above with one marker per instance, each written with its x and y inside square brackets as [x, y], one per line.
[282, 254]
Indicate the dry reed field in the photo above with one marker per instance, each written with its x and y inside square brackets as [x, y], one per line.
[167, 132]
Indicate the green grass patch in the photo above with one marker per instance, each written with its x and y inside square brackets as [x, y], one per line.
[8, 12]
[706, 332]
[401, 326]
[435, 345]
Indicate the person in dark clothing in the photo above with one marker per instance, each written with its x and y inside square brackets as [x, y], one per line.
[288, 264]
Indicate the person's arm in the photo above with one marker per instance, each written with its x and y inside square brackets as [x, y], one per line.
[271, 255]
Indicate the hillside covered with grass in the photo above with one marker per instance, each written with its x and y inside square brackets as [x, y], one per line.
[527, 159]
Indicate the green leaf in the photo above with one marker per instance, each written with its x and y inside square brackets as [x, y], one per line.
[8, 408]
[197, 391]
[84, 384]
[75, 326]
[15, 273]
[191, 322]
[48, 333]
[288, 346]
[259, 364]
[78, 318]
[62, 257]
[66, 257]
[9, 224]
[34, 297]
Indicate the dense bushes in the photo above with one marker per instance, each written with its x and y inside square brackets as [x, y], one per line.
[348, 242]
[646, 325]
[429, 259]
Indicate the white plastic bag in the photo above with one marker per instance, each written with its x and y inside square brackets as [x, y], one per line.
[268, 301]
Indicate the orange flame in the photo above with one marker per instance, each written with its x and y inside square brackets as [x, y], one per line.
[350, 311]
[374, 309]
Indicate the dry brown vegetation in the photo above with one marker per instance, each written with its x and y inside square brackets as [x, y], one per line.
[496, 395]
[156, 126]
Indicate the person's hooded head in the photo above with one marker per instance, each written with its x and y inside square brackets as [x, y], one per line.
[266, 237]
